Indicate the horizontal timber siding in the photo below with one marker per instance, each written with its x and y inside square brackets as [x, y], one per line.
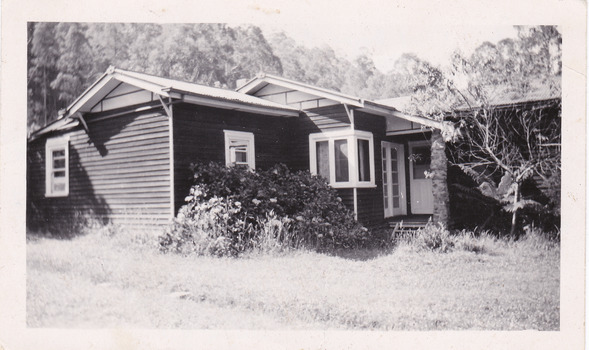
[119, 173]
[199, 137]
[313, 121]
[370, 200]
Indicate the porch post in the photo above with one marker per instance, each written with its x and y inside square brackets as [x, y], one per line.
[439, 168]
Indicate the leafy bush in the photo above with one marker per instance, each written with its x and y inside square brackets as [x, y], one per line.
[231, 209]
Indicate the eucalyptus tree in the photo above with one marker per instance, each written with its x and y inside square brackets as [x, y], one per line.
[476, 92]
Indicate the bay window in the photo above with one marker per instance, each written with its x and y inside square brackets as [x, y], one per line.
[345, 158]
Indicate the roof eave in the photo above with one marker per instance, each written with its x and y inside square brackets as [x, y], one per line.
[325, 93]
[219, 102]
[391, 111]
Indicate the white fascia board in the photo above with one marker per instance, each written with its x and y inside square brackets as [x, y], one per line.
[100, 81]
[349, 100]
[87, 95]
[406, 132]
[155, 88]
[250, 85]
[210, 102]
[317, 92]
[59, 125]
[384, 111]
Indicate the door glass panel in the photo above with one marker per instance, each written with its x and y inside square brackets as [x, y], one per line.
[385, 181]
[341, 160]
[420, 161]
[395, 177]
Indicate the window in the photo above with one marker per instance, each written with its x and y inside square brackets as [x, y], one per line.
[239, 149]
[57, 167]
[345, 158]
[421, 161]
[363, 160]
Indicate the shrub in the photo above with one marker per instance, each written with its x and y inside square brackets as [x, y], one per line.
[232, 209]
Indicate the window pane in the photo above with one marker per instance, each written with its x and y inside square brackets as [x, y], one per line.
[240, 156]
[322, 149]
[59, 174]
[58, 163]
[59, 153]
[58, 187]
[395, 190]
[395, 202]
[341, 161]
[363, 160]
[421, 161]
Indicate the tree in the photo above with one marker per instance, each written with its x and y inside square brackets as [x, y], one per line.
[502, 147]
[43, 55]
[74, 63]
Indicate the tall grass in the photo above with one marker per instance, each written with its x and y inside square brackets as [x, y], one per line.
[437, 238]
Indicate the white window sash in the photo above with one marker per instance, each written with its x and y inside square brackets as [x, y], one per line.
[235, 140]
[52, 145]
[352, 137]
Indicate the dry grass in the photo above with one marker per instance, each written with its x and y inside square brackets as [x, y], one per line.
[122, 281]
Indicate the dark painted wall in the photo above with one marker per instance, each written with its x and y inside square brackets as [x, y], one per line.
[119, 173]
[199, 137]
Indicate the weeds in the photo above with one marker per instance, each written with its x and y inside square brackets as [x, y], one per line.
[437, 238]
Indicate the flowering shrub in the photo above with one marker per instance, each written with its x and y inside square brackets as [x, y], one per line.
[232, 209]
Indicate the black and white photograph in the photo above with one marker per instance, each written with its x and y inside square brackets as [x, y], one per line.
[274, 180]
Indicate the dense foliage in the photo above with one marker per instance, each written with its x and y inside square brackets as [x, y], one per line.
[232, 209]
[65, 58]
[500, 144]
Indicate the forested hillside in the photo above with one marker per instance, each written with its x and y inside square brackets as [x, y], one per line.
[65, 58]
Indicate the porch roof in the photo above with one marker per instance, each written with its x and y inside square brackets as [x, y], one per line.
[373, 107]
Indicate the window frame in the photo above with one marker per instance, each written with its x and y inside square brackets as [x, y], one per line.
[352, 137]
[51, 145]
[233, 135]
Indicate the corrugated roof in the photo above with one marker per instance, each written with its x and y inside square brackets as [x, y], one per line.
[203, 90]
[400, 103]
[498, 96]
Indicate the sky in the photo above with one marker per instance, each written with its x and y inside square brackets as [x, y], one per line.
[385, 29]
[385, 44]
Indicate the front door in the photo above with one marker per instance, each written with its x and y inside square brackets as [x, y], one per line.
[393, 179]
[422, 199]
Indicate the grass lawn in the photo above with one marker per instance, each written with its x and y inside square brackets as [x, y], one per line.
[96, 281]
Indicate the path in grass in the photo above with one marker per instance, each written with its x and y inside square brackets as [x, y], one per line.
[93, 282]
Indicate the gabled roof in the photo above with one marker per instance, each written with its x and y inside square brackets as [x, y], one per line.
[263, 79]
[168, 88]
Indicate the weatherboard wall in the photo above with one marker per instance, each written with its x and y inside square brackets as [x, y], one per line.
[369, 200]
[120, 173]
[199, 138]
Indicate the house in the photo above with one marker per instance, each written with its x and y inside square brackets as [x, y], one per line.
[121, 151]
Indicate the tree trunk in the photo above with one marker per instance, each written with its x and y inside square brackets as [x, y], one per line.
[515, 210]
[439, 168]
